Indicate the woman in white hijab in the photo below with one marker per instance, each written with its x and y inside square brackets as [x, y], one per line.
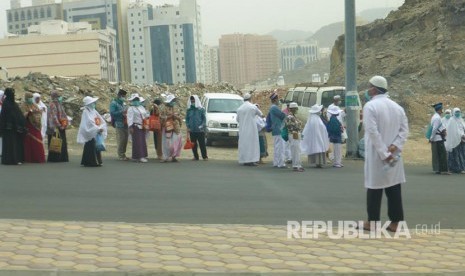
[136, 115]
[92, 124]
[315, 141]
[43, 108]
[455, 142]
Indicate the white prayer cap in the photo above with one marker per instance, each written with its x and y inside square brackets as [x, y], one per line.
[247, 96]
[337, 97]
[379, 82]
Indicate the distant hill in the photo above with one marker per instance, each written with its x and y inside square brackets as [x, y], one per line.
[327, 35]
[290, 35]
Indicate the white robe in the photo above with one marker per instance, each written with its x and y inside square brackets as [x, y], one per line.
[315, 136]
[455, 132]
[249, 146]
[43, 119]
[88, 129]
[385, 123]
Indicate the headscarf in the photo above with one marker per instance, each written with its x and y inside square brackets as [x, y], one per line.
[198, 104]
[91, 123]
[315, 136]
[11, 117]
[31, 111]
[455, 131]
[56, 113]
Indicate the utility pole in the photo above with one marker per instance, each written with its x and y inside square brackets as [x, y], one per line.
[351, 99]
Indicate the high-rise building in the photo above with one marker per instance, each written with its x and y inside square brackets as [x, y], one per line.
[60, 49]
[212, 65]
[246, 58]
[165, 43]
[102, 14]
[20, 18]
[295, 55]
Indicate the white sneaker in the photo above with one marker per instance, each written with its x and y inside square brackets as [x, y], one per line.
[143, 160]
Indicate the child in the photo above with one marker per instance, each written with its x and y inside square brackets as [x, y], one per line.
[294, 127]
[335, 130]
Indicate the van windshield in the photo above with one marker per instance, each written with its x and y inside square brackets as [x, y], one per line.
[224, 105]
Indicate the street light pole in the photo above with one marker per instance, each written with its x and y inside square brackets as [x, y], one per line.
[352, 106]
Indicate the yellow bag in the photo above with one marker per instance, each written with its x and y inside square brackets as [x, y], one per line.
[55, 143]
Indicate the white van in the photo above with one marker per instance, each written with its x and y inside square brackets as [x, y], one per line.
[305, 97]
[221, 112]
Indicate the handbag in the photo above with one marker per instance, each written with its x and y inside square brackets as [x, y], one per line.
[169, 125]
[189, 144]
[55, 143]
[154, 123]
[146, 124]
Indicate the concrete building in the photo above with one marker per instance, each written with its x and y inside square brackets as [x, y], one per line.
[295, 55]
[20, 18]
[211, 64]
[102, 14]
[246, 58]
[60, 49]
[166, 43]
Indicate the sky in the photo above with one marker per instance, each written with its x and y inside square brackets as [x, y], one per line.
[257, 16]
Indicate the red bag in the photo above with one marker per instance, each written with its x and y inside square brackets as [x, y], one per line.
[146, 124]
[188, 144]
[154, 123]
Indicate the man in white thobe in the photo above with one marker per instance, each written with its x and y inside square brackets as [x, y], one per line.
[386, 130]
[249, 146]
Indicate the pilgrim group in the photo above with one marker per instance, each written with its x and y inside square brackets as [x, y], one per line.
[25, 127]
[291, 138]
[446, 133]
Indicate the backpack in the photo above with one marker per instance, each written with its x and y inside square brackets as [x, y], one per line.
[268, 126]
[428, 131]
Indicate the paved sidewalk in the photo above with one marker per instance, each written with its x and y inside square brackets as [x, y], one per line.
[95, 246]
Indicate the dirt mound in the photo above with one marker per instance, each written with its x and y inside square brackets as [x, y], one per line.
[419, 48]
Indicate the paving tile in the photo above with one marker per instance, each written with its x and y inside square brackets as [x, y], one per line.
[217, 248]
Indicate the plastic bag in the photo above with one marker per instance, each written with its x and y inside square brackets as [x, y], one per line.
[100, 143]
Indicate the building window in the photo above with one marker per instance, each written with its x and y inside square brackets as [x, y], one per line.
[23, 16]
[141, 53]
[135, 61]
[132, 15]
[42, 13]
[140, 37]
[16, 16]
[29, 15]
[23, 25]
[135, 69]
[177, 12]
[132, 22]
[133, 45]
[49, 12]
[17, 26]
[135, 77]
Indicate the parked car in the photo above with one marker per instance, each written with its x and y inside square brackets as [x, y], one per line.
[221, 112]
[306, 97]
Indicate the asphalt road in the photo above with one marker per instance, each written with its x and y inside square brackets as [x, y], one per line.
[216, 192]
